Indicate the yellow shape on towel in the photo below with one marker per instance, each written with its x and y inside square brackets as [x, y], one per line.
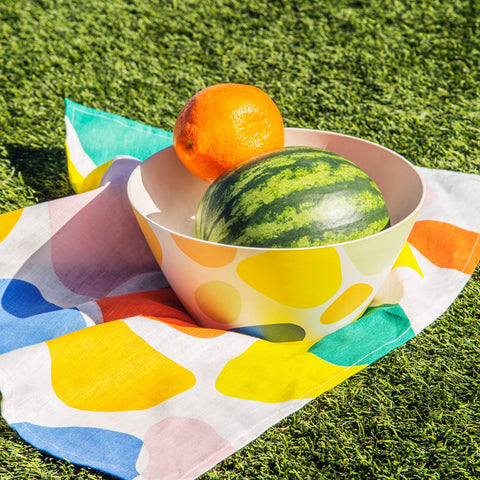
[278, 372]
[109, 368]
[8, 221]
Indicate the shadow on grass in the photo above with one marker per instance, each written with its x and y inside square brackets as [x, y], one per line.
[42, 169]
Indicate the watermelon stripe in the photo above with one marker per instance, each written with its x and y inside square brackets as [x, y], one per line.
[284, 230]
[263, 168]
[245, 212]
[252, 175]
[291, 197]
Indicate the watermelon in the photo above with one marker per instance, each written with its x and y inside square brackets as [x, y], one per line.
[290, 198]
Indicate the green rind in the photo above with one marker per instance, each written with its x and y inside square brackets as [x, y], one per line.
[293, 197]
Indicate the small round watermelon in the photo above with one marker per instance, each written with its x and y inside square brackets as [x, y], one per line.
[290, 198]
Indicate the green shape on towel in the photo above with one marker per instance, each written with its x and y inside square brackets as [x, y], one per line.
[105, 135]
[380, 330]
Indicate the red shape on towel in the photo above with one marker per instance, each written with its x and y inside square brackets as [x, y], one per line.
[162, 304]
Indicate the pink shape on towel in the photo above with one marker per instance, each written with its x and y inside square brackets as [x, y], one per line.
[431, 196]
[181, 447]
[97, 244]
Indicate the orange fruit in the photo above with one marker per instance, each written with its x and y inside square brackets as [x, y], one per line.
[224, 125]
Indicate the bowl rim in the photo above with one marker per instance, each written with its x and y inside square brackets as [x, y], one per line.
[413, 213]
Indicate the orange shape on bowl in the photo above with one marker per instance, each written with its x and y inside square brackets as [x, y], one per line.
[151, 238]
[208, 255]
[223, 125]
[219, 300]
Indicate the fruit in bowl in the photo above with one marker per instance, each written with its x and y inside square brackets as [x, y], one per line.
[296, 277]
[223, 125]
[282, 294]
[263, 194]
[289, 198]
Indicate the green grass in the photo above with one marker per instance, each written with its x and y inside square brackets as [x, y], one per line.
[400, 73]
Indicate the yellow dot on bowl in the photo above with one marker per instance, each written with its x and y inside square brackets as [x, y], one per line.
[109, 368]
[279, 372]
[8, 221]
[219, 300]
[296, 278]
[151, 238]
[346, 303]
[212, 256]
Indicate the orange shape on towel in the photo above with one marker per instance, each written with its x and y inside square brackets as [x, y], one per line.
[446, 245]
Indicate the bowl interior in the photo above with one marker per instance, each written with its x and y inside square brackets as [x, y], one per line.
[163, 190]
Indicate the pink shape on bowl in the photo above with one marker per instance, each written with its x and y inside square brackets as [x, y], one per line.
[96, 242]
[181, 447]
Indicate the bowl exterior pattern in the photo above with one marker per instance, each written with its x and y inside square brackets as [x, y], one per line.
[279, 295]
[276, 294]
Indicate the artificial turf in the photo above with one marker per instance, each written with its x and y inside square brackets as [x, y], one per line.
[401, 73]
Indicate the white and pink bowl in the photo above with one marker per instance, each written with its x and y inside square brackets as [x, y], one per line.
[277, 294]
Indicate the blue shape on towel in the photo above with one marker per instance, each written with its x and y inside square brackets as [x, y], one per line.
[22, 299]
[106, 450]
[27, 318]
